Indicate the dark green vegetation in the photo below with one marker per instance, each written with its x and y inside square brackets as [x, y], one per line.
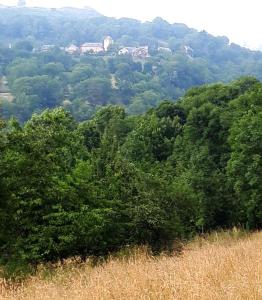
[90, 188]
[82, 84]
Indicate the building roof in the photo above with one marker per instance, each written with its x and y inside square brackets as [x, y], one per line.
[92, 45]
[72, 46]
[164, 49]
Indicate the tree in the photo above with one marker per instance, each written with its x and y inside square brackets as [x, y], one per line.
[22, 68]
[53, 69]
[4, 194]
[47, 90]
[81, 73]
[123, 71]
[245, 167]
[94, 90]
[142, 102]
[43, 203]
[24, 45]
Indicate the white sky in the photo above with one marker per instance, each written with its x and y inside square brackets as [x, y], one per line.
[240, 20]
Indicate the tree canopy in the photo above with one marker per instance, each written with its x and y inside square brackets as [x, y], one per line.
[86, 188]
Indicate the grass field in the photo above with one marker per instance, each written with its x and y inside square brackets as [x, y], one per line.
[222, 266]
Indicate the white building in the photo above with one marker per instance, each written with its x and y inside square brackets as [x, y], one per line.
[46, 48]
[138, 52]
[71, 49]
[141, 52]
[91, 47]
[126, 50]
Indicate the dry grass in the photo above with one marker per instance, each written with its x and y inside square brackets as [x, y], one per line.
[221, 267]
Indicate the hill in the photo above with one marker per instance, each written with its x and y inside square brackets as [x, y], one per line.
[226, 269]
[167, 60]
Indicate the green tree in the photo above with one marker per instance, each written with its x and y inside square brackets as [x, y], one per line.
[53, 69]
[43, 203]
[48, 90]
[94, 90]
[245, 167]
[81, 72]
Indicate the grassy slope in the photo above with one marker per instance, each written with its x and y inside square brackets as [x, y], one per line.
[223, 266]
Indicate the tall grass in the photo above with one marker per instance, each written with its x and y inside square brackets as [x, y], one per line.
[219, 266]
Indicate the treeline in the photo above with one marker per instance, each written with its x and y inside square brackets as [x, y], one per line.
[90, 188]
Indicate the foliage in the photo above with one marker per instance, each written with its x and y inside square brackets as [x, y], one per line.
[90, 188]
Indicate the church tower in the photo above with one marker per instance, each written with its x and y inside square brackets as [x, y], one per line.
[108, 41]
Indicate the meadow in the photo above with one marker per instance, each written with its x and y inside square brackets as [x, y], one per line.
[221, 266]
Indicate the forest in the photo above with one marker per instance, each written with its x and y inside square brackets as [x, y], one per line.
[82, 84]
[89, 188]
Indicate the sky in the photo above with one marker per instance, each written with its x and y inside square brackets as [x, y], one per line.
[239, 20]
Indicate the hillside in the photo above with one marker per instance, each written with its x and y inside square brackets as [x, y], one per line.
[147, 63]
[226, 269]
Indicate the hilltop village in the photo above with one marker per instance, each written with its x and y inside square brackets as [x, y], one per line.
[108, 46]
[101, 47]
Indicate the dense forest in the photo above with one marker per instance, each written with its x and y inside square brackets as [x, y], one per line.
[180, 58]
[86, 188]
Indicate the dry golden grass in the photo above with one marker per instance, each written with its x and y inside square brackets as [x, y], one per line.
[220, 267]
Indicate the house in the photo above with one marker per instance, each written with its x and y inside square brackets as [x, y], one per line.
[141, 52]
[72, 49]
[91, 47]
[127, 50]
[136, 52]
[108, 41]
[46, 48]
[123, 51]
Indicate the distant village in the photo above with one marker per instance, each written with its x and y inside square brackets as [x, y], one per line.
[140, 52]
[95, 48]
